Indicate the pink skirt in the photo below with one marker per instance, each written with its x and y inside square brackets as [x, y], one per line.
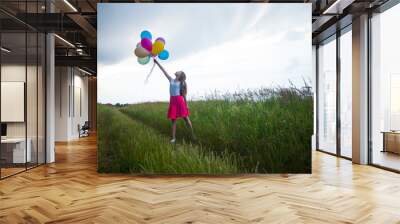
[177, 108]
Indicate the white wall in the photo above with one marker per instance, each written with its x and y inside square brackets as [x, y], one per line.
[9, 73]
[80, 110]
[12, 73]
[62, 81]
[71, 102]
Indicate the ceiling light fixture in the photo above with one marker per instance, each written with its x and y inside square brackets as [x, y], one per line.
[5, 50]
[326, 11]
[84, 71]
[65, 41]
[338, 6]
[70, 5]
[79, 51]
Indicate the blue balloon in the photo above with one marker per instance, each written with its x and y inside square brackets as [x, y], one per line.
[145, 34]
[164, 55]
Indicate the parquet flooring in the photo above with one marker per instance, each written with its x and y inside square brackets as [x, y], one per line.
[71, 191]
[11, 170]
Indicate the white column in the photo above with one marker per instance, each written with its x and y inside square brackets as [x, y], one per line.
[50, 93]
[360, 90]
[50, 110]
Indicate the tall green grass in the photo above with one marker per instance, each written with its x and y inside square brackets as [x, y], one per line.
[126, 145]
[270, 129]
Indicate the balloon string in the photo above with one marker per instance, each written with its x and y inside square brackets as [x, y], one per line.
[151, 71]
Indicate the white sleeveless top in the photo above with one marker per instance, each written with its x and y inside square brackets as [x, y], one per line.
[174, 87]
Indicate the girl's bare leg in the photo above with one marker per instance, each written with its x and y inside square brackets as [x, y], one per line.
[189, 124]
[173, 130]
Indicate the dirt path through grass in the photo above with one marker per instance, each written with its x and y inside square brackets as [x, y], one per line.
[126, 145]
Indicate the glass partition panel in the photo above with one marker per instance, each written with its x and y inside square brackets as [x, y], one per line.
[31, 98]
[41, 98]
[14, 153]
[385, 89]
[327, 96]
[22, 77]
[346, 94]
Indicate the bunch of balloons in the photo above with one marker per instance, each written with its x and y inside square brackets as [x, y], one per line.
[146, 49]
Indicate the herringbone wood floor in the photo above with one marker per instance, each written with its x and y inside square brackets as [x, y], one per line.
[71, 191]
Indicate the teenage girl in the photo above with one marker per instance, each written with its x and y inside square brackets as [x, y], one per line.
[177, 101]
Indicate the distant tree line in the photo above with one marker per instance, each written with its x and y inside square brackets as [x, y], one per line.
[121, 105]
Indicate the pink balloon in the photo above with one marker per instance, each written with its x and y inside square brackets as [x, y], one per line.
[146, 44]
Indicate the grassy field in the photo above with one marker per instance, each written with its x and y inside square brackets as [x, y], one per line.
[264, 131]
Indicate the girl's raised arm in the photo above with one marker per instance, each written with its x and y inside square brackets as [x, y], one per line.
[163, 70]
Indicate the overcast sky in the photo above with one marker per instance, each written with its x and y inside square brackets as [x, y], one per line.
[223, 47]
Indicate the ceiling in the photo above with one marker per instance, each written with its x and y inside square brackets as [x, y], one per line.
[329, 16]
[75, 22]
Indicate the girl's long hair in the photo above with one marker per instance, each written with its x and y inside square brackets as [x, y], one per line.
[182, 79]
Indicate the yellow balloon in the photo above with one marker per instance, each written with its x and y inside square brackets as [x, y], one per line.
[158, 46]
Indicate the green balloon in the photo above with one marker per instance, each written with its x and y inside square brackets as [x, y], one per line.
[144, 60]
